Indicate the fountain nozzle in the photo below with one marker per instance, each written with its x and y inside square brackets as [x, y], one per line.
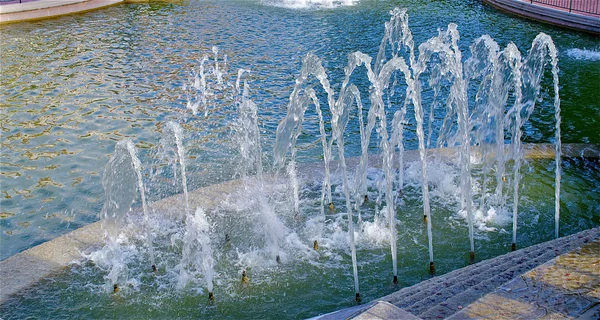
[331, 206]
[395, 281]
[514, 247]
[244, 277]
[278, 259]
[115, 288]
[227, 237]
[154, 269]
[357, 298]
[425, 218]
[316, 245]
[472, 255]
[366, 198]
[211, 297]
[431, 267]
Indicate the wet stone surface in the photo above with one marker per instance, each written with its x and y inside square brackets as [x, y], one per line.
[567, 287]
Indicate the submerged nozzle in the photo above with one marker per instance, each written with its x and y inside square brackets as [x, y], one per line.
[431, 267]
[513, 247]
[366, 198]
[211, 297]
[245, 277]
[331, 206]
[154, 268]
[115, 288]
[357, 298]
[278, 259]
[316, 245]
[395, 281]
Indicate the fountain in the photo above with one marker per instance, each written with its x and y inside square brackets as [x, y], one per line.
[294, 226]
[494, 74]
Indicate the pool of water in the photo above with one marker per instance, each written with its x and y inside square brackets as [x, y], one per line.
[74, 86]
[307, 282]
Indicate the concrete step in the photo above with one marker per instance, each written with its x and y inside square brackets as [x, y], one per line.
[445, 295]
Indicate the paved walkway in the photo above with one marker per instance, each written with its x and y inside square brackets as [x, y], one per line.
[42, 9]
[567, 287]
[556, 12]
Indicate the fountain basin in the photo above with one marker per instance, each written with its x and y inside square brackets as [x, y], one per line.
[23, 271]
[257, 247]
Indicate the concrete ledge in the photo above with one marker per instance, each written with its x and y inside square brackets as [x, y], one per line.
[44, 9]
[25, 269]
[565, 19]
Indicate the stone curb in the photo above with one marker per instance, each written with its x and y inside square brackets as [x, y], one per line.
[523, 9]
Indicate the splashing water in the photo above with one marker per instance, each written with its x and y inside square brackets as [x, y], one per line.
[122, 181]
[472, 140]
[494, 74]
[584, 54]
[197, 256]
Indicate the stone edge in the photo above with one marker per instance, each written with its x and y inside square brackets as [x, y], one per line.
[526, 10]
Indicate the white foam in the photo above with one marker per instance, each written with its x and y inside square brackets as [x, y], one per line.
[310, 4]
[376, 233]
[489, 220]
[583, 54]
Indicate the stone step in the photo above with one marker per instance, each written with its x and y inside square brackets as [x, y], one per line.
[444, 295]
[435, 308]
